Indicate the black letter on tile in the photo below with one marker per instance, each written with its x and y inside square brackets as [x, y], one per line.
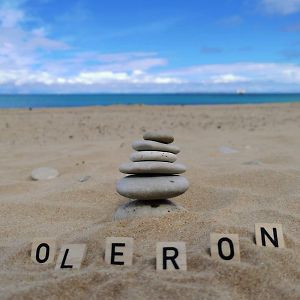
[171, 258]
[264, 233]
[37, 254]
[63, 266]
[114, 253]
[229, 241]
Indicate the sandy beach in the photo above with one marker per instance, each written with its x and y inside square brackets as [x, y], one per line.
[229, 193]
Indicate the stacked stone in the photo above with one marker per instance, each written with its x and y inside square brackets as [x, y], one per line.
[154, 173]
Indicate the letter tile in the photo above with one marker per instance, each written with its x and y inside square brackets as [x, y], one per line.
[171, 256]
[119, 251]
[225, 246]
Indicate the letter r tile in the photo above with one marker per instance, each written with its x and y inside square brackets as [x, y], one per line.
[171, 256]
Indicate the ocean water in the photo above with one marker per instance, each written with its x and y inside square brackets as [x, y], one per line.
[26, 101]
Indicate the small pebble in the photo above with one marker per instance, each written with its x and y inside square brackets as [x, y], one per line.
[252, 162]
[227, 150]
[84, 178]
[44, 173]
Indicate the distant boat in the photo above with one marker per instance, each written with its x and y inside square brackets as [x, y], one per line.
[241, 92]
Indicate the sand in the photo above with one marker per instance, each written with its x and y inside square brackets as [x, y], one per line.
[228, 193]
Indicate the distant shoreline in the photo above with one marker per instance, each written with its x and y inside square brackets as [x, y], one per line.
[81, 100]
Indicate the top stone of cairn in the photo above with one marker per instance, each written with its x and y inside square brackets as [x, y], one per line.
[159, 136]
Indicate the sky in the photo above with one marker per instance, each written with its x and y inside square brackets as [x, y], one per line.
[116, 46]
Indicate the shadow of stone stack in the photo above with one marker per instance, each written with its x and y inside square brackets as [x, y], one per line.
[154, 177]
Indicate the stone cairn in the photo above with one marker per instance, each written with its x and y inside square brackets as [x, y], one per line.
[154, 177]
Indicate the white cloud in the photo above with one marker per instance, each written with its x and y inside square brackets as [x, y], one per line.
[139, 64]
[282, 7]
[99, 77]
[20, 47]
[121, 57]
[246, 71]
[25, 77]
[256, 77]
[228, 78]
[10, 17]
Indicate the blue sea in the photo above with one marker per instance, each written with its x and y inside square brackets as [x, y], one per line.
[77, 100]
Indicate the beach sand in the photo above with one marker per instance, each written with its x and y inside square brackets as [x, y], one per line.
[228, 193]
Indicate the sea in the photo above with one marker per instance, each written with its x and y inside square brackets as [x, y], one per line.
[78, 100]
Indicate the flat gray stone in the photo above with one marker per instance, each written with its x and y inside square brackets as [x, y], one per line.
[253, 162]
[159, 136]
[84, 178]
[152, 187]
[152, 167]
[146, 208]
[227, 150]
[44, 173]
[156, 146]
[153, 156]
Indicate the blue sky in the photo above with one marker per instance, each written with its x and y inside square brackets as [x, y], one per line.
[149, 46]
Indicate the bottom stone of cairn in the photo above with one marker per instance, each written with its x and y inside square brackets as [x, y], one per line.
[146, 208]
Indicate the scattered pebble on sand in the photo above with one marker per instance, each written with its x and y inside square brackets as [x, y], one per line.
[44, 173]
[227, 150]
[252, 162]
[84, 178]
